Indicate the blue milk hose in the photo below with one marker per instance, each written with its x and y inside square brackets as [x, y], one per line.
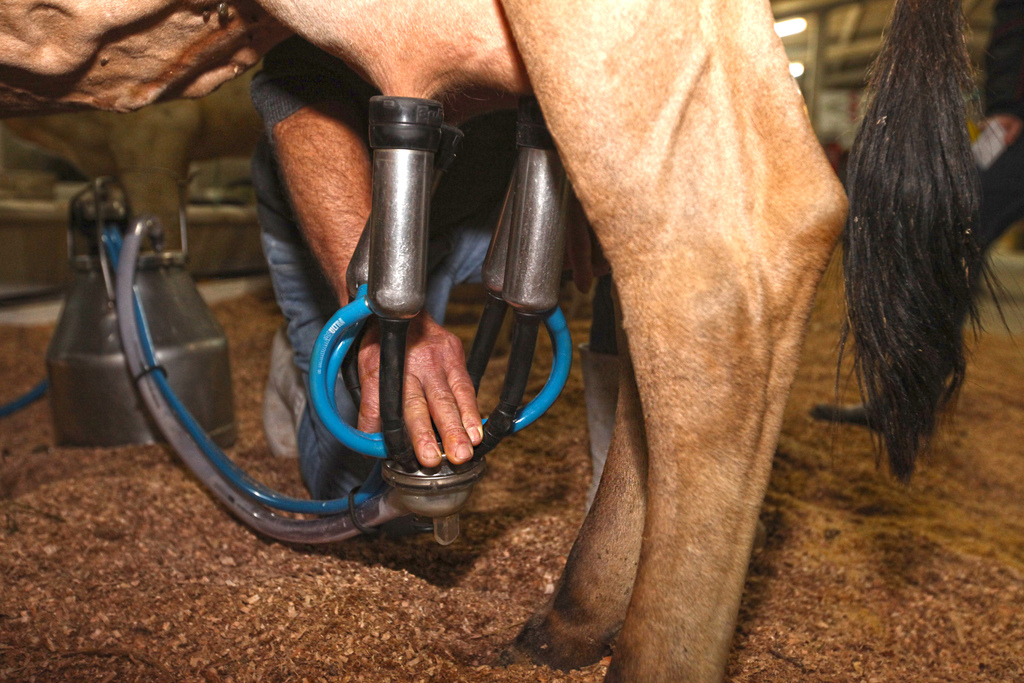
[29, 397]
[246, 498]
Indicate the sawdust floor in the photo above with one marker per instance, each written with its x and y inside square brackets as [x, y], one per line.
[115, 565]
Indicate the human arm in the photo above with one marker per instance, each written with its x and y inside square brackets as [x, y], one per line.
[325, 166]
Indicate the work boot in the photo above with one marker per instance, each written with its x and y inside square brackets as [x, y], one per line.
[284, 399]
[601, 391]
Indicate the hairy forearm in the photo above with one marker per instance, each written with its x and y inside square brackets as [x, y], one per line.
[326, 167]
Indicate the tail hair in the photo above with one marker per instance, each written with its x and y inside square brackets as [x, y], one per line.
[910, 258]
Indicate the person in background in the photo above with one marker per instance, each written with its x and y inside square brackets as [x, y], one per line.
[999, 152]
[1002, 182]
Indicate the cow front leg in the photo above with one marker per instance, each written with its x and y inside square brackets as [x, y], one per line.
[578, 625]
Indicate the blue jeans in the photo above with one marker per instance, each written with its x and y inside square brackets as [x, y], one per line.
[329, 469]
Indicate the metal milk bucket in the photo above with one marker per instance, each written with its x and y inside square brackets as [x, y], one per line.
[93, 398]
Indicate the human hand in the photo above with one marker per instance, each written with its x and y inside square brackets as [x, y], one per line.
[436, 385]
[583, 255]
[1012, 125]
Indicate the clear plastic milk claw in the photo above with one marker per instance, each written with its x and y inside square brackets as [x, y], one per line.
[438, 493]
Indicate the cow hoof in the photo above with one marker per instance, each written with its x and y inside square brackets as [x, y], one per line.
[544, 643]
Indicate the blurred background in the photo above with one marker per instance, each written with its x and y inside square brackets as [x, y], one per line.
[197, 151]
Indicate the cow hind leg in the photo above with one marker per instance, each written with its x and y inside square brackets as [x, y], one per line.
[578, 625]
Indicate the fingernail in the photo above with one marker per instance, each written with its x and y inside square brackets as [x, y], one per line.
[437, 453]
[463, 453]
[479, 435]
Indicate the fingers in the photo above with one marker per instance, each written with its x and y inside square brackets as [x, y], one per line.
[417, 421]
[465, 397]
[429, 405]
[437, 391]
[443, 392]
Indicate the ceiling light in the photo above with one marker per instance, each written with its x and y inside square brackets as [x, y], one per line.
[791, 27]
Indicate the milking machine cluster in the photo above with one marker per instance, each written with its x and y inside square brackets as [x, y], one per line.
[387, 280]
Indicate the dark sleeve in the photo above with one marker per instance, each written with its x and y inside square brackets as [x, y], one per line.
[1004, 62]
[297, 74]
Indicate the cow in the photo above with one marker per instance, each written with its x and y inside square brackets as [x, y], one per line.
[691, 153]
[151, 149]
